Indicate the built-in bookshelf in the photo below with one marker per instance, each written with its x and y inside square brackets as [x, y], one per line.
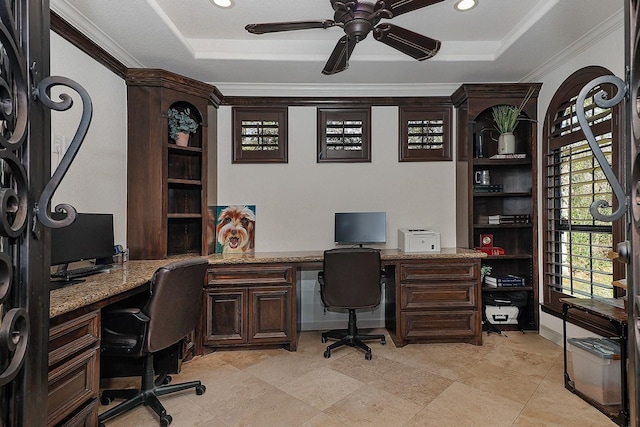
[498, 191]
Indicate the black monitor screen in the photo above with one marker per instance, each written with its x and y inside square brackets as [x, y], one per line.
[360, 228]
[89, 236]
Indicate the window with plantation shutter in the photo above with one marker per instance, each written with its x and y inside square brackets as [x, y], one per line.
[576, 244]
[259, 135]
[343, 135]
[425, 134]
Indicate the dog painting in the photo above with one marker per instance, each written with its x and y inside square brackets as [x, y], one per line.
[235, 229]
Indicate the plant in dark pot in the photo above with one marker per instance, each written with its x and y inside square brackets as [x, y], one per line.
[181, 125]
[506, 118]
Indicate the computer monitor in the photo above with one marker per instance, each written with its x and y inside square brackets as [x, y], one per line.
[88, 237]
[360, 228]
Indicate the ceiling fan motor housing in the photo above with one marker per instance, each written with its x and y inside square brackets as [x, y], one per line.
[357, 20]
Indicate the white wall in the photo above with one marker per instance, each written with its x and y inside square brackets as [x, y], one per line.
[97, 179]
[296, 202]
[607, 52]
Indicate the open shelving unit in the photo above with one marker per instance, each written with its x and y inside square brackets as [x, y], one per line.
[515, 193]
[167, 183]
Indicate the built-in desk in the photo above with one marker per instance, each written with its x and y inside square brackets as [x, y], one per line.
[250, 301]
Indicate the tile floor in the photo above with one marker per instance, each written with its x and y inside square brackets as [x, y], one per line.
[513, 380]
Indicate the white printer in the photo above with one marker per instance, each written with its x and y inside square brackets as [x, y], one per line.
[418, 240]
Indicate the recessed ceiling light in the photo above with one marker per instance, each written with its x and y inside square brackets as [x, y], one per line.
[223, 3]
[463, 5]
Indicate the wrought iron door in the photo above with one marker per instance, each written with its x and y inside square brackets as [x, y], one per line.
[627, 192]
[632, 246]
[26, 188]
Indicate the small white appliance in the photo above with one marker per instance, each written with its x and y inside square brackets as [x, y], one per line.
[418, 240]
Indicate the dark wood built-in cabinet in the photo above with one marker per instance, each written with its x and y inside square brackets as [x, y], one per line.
[73, 380]
[167, 183]
[513, 192]
[434, 300]
[250, 306]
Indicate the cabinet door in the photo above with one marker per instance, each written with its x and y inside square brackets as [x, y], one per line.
[225, 310]
[269, 320]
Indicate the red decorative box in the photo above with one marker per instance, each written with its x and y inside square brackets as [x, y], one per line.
[496, 250]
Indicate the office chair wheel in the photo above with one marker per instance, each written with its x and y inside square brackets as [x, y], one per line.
[323, 340]
[383, 341]
[166, 420]
[101, 425]
[105, 400]
[367, 355]
[327, 354]
[200, 390]
[166, 380]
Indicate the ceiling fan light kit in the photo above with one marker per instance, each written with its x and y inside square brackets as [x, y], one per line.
[464, 5]
[358, 19]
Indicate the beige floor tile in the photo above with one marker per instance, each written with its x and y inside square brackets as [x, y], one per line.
[285, 367]
[321, 387]
[463, 405]
[501, 381]
[370, 406]
[271, 409]
[513, 379]
[323, 420]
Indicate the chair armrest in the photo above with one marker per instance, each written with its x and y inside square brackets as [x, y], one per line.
[123, 331]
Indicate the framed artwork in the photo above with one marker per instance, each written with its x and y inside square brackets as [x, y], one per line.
[231, 229]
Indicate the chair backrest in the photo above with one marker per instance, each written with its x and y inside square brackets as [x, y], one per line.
[174, 305]
[352, 278]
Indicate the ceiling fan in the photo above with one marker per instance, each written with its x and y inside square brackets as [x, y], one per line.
[358, 19]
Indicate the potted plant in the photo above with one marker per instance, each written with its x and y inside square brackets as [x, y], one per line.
[506, 118]
[181, 125]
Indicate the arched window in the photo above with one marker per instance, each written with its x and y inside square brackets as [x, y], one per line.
[576, 245]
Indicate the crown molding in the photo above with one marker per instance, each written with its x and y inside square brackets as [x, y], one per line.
[607, 26]
[85, 27]
[338, 90]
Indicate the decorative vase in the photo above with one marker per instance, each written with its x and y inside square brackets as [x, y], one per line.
[182, 139]
[506, 143]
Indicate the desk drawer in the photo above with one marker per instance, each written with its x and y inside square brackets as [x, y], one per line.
[250, 275]
[443, 326]
[73, 336]
[439, 270]
[438, 295]
[72, 384]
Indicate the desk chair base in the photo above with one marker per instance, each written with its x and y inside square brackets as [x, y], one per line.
[147, 395]
[350, 337]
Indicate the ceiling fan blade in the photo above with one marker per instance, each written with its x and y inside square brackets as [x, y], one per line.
[398, 7]
[413, 44]
[339, 59]
[274, 27]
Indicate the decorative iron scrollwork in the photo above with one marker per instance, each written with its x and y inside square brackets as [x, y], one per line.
[601, 100]
[14, 115]
[64, 104]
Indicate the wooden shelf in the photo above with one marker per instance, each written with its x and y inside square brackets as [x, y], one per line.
[193, 182]
[517, 225]
[184, 150]
[513, 256]
[502, 194]
[499, 162]
[506, 288]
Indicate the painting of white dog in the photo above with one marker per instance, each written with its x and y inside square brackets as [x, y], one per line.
[235, 229]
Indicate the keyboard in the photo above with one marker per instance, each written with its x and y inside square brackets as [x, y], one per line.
[80, 272]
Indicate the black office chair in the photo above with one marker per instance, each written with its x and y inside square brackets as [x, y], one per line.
[165, 318]
[351, 279]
